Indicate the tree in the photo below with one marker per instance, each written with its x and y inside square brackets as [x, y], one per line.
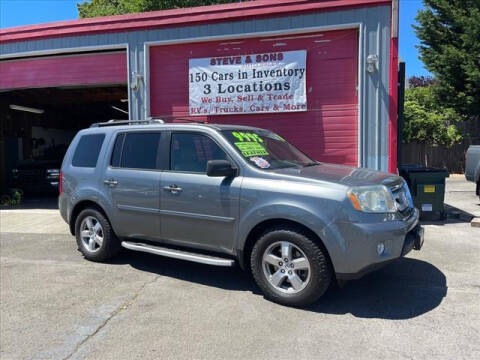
[427, 121]
[95, 8]
[449, 33]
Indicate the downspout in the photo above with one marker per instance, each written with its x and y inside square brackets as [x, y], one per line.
[401, 103]
[393, 90]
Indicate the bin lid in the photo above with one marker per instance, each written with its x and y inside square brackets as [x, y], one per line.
[415, 168]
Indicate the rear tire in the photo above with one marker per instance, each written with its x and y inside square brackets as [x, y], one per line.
[298, 285]
[95, 237]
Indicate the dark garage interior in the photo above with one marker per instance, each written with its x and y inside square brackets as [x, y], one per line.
[37, 125]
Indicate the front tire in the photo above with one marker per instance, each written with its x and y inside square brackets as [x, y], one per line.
[95, 237]
[290, 267]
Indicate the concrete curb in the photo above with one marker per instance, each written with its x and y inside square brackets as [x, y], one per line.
[29, 211]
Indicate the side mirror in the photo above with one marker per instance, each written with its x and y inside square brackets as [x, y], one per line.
[221, 168]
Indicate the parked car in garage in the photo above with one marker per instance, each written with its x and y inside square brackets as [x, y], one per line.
[227, 194]
[39, 175]
[472, 166]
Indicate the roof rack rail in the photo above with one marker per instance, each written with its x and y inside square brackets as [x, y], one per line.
[192, 120]
[114, 122]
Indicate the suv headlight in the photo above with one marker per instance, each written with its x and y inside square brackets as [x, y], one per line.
[372, 199]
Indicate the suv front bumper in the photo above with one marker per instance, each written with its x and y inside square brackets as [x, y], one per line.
[369, 247]
[414, 240]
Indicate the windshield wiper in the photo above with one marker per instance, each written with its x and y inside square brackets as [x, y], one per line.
[313, 163]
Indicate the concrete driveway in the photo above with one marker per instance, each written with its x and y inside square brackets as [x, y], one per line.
[56, 305]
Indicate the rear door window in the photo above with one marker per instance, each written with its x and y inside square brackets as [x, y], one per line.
[140, 150]
[87, 151]
[190, 152]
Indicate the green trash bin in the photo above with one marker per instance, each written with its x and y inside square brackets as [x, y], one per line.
[427, 186]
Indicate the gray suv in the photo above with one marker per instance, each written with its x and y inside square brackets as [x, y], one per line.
[226, 194]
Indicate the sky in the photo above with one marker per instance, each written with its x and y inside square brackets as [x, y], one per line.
[27, 12]
[407, 38]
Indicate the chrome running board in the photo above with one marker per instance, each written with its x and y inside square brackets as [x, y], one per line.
[178, 254]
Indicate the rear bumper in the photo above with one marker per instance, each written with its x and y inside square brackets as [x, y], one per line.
[372, 246]
[40, 186]
[62, 207]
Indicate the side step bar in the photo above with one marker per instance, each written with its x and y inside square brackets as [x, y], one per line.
[178, 254]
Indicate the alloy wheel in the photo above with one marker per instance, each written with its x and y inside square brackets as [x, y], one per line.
[286, 267]
[91, 233]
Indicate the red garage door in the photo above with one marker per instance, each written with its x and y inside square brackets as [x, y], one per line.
[85, 69]
[328, 131]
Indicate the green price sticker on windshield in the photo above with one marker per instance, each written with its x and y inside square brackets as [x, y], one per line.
[243, 136]
[249, 149]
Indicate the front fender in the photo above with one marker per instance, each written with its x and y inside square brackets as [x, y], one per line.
[314, 219]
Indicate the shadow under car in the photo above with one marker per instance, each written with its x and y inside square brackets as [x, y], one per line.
[404, 289]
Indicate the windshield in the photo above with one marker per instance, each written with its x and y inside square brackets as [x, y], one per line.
[266, 150]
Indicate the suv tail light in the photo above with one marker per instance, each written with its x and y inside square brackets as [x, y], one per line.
[60, 183]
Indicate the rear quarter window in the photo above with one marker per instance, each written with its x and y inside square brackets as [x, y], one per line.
[87, 151]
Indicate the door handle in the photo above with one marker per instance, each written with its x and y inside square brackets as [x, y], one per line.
[174, 189]
[110, 182]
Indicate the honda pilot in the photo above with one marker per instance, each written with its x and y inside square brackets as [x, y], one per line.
[223, 195]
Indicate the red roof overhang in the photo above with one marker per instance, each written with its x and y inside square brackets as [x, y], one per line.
[178, 17]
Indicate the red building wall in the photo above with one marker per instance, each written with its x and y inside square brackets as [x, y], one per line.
[88, 69]
[328, 131]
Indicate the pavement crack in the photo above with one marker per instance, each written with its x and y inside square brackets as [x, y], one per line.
[125, 305]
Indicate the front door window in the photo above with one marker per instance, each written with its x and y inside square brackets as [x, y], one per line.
[191, 152]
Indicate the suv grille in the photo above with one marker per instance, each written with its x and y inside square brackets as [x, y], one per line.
[401, 199]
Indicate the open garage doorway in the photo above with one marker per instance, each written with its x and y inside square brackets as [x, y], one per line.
[38, 124]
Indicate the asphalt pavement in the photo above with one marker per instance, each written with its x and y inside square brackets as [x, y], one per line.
[56, 305]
